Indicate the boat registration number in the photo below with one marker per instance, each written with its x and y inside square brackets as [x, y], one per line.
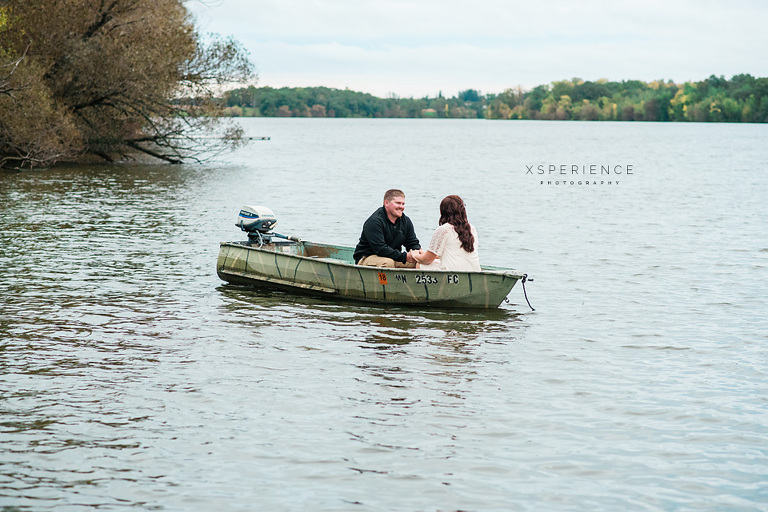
[420, 278]
[425, 279]
[428, 279]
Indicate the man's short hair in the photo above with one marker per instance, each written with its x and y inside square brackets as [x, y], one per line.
[393, 193]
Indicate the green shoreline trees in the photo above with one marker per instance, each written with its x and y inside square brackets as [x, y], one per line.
[102, 78]
[743, 98]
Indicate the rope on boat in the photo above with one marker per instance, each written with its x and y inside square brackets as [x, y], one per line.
[261, 239]
[525, 278]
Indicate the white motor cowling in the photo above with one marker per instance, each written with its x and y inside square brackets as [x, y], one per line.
[256, 219]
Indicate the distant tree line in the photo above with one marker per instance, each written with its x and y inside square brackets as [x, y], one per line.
[327, 102]
[743, 98]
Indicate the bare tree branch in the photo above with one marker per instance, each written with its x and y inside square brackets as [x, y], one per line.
[5, 81]
[128, 76]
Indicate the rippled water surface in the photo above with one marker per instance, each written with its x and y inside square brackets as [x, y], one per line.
[132, 377]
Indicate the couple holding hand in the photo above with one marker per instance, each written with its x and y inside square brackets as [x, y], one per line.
[453, 245]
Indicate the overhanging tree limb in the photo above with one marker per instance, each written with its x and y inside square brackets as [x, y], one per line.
[107, 81]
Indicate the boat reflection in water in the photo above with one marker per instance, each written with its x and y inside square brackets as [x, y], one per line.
[382, 329]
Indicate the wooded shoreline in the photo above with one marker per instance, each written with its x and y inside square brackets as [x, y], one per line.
[743, 98]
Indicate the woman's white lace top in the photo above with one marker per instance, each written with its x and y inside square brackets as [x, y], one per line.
[451, 256]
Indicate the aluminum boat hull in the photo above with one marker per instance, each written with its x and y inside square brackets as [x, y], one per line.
[329, 270]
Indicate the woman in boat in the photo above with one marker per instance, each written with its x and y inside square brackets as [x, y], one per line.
[454, 242]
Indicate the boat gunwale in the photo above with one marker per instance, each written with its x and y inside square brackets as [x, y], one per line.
[485, 269]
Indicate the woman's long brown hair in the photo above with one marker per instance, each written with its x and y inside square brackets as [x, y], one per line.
[452, 212]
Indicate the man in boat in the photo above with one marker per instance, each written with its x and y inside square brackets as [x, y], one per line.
[385, 233]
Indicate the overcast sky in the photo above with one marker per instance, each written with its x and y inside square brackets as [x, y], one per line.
[424, 47]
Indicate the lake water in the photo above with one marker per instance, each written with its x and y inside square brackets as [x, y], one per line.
[131, 377]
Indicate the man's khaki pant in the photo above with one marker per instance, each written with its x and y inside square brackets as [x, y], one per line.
[378, 261]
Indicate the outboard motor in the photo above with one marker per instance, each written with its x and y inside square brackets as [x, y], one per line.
[258, 222]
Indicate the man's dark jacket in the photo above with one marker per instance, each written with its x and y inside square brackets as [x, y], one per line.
[383, 238]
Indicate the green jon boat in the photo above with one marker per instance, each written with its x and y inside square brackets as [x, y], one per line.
[329, 269]
[300, 266]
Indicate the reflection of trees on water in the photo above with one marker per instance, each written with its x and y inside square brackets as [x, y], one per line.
[73, 184]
